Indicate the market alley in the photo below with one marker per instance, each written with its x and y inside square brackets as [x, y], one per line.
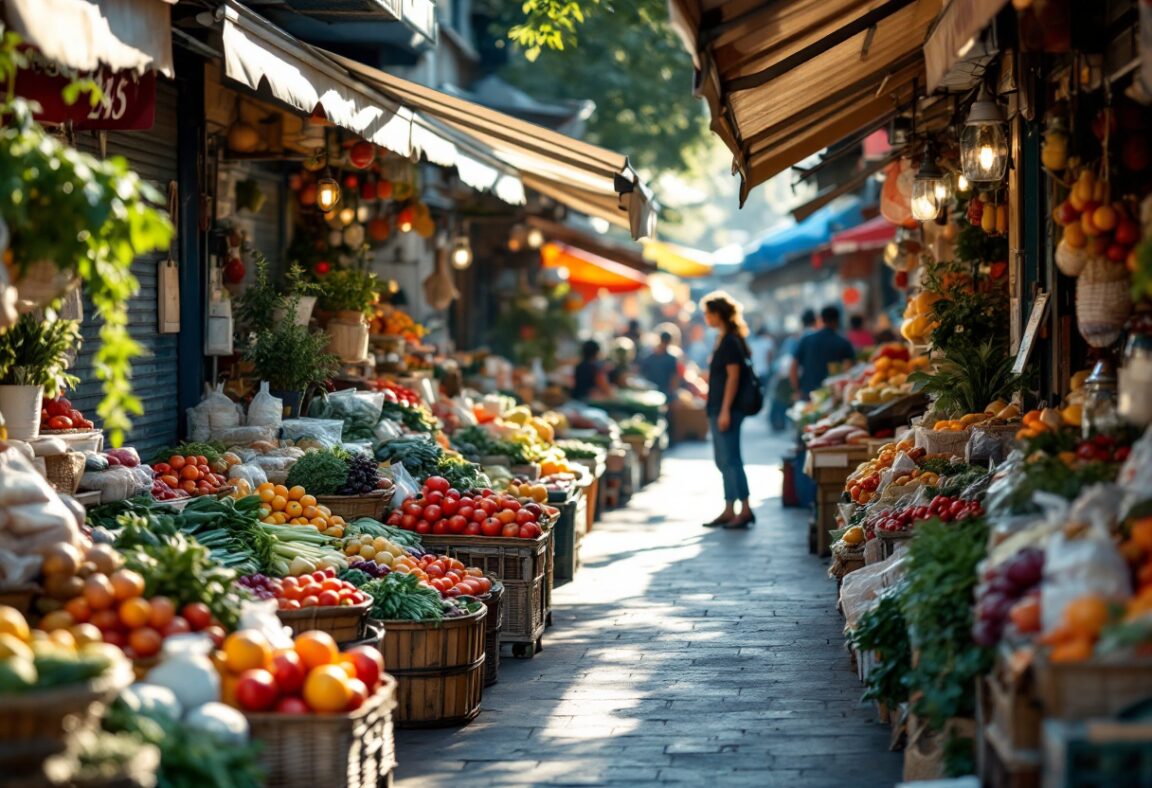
[679, 655]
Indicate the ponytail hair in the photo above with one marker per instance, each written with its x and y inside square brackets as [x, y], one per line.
[728, 310]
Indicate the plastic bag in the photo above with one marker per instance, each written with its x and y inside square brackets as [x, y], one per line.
[859, 589]
[358, 410]
[1135, 477]
[387, 430]
[244, 436]
[406, 487]
[141, 480]
[986, 446]
[265, 410]
[313, 433]
[253, 474]
[114, 484]
[261, 616]
[275, 467]
[215, 412]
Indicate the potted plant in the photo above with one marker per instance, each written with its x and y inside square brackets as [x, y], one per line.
[261, 306]
[291, 357]
[34, 357]
[350, 293]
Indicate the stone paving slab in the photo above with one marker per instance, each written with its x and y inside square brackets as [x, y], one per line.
[679, 656]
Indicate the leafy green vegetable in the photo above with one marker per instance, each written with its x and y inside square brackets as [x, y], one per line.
[356, 577]
[210, 450]
[415, 417]
[460, 473]
[884, 631]
[401, 597]
[319, 472]
[185, 571]
[579, 450]
[419, 454]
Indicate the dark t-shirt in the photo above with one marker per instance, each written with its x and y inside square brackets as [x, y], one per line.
[660, 368]
[816, 353]
[584, 379]
[729, 351]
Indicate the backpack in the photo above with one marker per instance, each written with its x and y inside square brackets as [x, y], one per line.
[750, 394]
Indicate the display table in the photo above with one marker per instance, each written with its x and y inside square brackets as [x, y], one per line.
[830, 468]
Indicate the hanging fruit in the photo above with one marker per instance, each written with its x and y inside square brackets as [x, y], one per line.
[384, 189]
[322, 268]
[361, 154]
[368, 190]
[1054, 149]
[379, 229]
[234, 271]
[405, 219]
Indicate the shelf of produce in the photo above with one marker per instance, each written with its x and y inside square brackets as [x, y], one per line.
[830, 467]
[355, 750]
[1096, 688]
[521, 565]
[439, 669]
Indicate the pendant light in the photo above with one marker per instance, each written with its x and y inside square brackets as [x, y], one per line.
[461, 253]
[930, 189]
[984, 141]
[327, 192]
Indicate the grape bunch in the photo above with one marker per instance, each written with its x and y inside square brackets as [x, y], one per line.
[260, 586]
[363, 475]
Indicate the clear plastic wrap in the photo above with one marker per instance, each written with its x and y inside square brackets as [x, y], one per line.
[244, 436]
[114, 484]
[357, 410]
[406, 486]
[313, 433]
[215, 412]
[253, 474]
[859, 589]
[387, 430]
[275, 466]
[266, 410]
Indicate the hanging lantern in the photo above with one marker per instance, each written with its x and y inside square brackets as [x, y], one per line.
[368, 190]
[930, 189]
[379, 230]
[405, 220]
[384, 189]
[535, 238]
[327, 193]
[351, 181]
[361, 154]
[424, 225]
[851, 296]
[461, 253]
[347, 215]
[984, 141]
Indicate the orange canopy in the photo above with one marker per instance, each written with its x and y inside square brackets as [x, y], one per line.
[588, 273]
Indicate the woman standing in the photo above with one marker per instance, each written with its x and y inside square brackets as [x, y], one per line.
[724, 370]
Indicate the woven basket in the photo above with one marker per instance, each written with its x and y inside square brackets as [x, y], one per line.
[34, 726]
[354, 750]
[64, 471]
[947, 442]
[493, 623]
[345, 623]
[1103, 302]
[351, 507]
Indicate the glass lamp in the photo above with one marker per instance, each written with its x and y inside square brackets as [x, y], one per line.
[461, 253]
[327, 193]
[930, 190]
[984, 141]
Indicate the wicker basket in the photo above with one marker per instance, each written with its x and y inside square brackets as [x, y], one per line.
[19, 597]
[63, 471]
[345, 623]
[492, 625]
[33, 726]
[947, 442]
[439, 667]
[351, 507]
[521, 565]
[354, 750]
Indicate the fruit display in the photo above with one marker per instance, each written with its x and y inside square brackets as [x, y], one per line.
[311, 677]
[281, 505]
[942, 507]
[886, 377]
[1010, 594]
[32, 659]
[441, 510]
[865, 480]
[57, 413]
[920, 318]
[391, 321]
[320, 589]
[336, 472]
[191, 474]
[1095, 226]
[447, 575]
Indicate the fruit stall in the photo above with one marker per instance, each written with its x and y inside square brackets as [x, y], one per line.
[983, 486]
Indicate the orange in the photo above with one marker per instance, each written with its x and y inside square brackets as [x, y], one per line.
[309, 511]
[246, 649]
[1075, 650]
[176, 462]
[326, 689]
[1086, 616]
[296, 493]
[126, 584]
[1142, 533]
[281, 490]
[98, 592]
[189, 473]
[266, 492]
[279, 503]
[135, 612]
[316, 648]
[293, 508]
[307, 500]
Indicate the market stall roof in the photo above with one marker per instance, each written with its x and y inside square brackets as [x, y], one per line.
[257, 53]
[618, 250]
[774, 248]
[588, 178]
[869, 236]
[589, 273]
[124, 35]
[783, 80]
[678, 260]
[954, 33]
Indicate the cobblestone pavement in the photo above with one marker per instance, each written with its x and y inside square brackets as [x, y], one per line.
[679, 655]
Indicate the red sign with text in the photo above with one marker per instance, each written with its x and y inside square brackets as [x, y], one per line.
[128, 101]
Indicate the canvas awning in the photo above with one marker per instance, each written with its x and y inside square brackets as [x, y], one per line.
[954, 32]
[124, 35]
[678, 260]
[588, 274]
[590, 179]
[871, 235]
[776, 247]
[785, 80]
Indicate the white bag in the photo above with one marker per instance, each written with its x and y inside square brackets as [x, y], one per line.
[265, 410]
[214, 413]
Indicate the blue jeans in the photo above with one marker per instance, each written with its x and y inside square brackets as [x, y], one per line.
[726, 446]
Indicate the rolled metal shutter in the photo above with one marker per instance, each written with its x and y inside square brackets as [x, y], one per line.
[152, 154]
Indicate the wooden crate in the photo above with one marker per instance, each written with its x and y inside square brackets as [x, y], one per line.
[355, 750]
[1008, 694]
[492, 626]
[568, 534]
[345, 623]
[1003, 766]
[1098, 688]
[1097, 753]
[439, 669]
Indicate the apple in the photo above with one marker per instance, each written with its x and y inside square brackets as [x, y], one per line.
[369, 664]
[359, 694]
[292, 706]
[256, 690]
[288, 671]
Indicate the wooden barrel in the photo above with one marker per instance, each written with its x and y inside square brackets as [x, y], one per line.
[492, 626]
[439, 667]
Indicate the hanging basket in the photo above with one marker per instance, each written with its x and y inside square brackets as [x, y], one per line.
[1103, 302]
[1071, 262]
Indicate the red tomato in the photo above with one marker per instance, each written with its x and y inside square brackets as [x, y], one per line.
[161, 468]
[479, 515]
[289, 672]
[198, 615]
[256, 690]
[414, 509]
[489, 506]
[292, 706]
[328, 599]
[408, 522]
[466, 512]
[512, 505]
[146, 641]
[439, 528]
[435, 497]
[329, 572]
[216, 633]
[510, 529]
[432, 513]
[529, 531]
[466, 587]
[523, 517]
[450, 506]
[437, 483]
[473, 529]
[486, 493]
[457, 524]
[319, 576]
[369, 664]
[423, 527]
[359, 694]
[452, 493]
[178, 626]
[59, 423]
[491, 527]
[312, 600]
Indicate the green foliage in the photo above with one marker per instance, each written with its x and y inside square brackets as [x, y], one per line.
[349, 289]
[532, 325]
[292, 357]
[34, 352]
[319, 472]
[256, 307]
[883, 630]
[89, 216]
[967, 379]
[937, 605]
[627, 59]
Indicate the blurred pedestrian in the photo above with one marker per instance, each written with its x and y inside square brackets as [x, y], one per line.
[724, 416]
[782, 391]
[763, 349]
[858, 335]
[662, 367]
[590, 376]
[818, 353]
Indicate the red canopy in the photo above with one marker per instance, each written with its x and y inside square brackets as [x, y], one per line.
[872, 234]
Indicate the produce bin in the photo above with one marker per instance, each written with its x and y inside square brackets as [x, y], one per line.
[522, 566]
[351, 507]
[355, 750]
[1096, 688]
[492, 626]
[439, 669]
[345, 623]
[641, 449]
[568, 534]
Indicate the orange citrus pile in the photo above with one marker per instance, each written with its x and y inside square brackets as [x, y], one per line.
[283, 506]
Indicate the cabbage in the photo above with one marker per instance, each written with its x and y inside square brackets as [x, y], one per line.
[224, 722]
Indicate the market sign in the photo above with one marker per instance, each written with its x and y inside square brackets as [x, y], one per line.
[128, 101]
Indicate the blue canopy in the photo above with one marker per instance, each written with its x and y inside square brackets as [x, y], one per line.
[774, 248]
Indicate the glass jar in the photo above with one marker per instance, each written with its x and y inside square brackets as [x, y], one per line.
[1100, 412]
[1135, 381]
